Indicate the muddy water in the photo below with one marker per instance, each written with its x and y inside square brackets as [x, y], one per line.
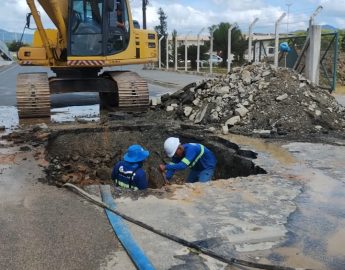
[274, 149]
[318, 225]
[340, 90]
[316, 231]
[340, 94]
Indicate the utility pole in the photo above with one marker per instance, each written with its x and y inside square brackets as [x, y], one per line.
[211, 50]
[312, 17]
[229, 45]
[198, 51]
[176, 54]
[276, 46]
[289, 4]
[186, 52]
[250, 39]
[145, 3]
[167, 52]
[160, 52]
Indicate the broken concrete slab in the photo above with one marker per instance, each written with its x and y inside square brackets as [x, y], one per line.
[200, 116]
[170, 109]
[233, 121]
[282, 97]
[188, 111]
[246, 77]
[241, 111]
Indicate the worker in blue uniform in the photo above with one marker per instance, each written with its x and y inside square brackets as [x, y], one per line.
[201, 161]
[128, 173]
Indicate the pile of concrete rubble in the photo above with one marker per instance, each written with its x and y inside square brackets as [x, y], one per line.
[257, 99]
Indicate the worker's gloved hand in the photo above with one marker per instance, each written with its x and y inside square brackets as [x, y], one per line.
[162, 168]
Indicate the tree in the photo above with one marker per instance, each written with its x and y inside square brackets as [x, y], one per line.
[14, 46]
[192, 54]
[220, 42]
[161, 30]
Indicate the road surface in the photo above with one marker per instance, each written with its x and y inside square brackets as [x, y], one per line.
[160, 82]
[293, 216]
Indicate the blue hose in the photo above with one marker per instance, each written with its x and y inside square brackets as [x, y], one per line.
[123, 234]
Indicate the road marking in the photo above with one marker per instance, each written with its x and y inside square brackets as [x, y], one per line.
[3, 72]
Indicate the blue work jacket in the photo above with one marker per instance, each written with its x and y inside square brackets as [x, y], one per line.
[129, 175]
[196, 156]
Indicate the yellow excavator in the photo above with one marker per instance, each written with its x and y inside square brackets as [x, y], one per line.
[90, 35]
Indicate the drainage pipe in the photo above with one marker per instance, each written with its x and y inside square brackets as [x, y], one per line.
[177, 239]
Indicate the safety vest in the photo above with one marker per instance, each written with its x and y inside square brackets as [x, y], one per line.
[192, 164]
[129, 176]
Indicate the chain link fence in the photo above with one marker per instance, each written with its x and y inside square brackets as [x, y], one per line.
[264, 52]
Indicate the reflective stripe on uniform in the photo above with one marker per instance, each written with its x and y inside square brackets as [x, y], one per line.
[198, 157]
[186, 161]
[124, 185]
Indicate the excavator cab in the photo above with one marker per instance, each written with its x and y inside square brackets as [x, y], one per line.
[98, 27]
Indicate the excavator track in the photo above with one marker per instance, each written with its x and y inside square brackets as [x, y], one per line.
[33, 95]
[132, 90]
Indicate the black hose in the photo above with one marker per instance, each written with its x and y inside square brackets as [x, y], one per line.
[181, 241]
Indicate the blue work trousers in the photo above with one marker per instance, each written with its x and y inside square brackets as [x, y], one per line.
[200, 176]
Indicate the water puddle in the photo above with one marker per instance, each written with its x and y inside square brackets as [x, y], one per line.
[70, 114]
[274, 149]
[340, 90]
[9, 116]
[317, 227]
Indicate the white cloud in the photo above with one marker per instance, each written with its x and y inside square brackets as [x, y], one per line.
[185, 16]
[13, 15]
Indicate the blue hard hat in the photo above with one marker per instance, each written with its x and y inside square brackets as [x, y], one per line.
[136, 153]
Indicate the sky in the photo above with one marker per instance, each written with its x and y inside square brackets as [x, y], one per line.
[190, 16]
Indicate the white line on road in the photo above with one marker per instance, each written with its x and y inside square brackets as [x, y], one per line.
[3, 72]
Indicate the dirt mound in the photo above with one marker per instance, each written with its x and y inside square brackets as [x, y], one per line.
[257, 99]
[73, 159]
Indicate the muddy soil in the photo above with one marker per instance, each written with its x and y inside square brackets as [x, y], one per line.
[86, 156]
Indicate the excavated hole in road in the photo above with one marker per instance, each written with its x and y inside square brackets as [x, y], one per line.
[86, 156]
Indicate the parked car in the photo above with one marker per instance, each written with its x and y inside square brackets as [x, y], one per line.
[216, 60]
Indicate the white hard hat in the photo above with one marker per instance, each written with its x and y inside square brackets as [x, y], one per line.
[170, 146]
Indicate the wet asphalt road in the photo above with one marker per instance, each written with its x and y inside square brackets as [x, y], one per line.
[160, 82]
[43, 227]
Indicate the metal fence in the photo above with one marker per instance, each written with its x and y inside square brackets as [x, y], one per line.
[328, 60]
[4, 52]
